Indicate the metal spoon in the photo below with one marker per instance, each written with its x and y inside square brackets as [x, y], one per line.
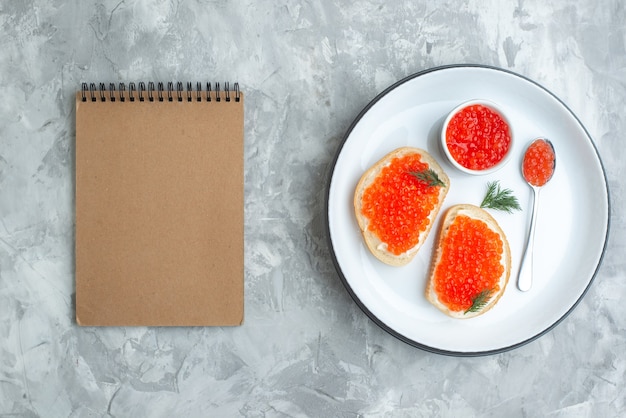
[525, 278]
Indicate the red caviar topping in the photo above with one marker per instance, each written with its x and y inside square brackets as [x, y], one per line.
[398, 204]
[477, 137]
[470, 263]
[538, 164]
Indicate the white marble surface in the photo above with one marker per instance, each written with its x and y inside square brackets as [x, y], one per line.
[307, 68]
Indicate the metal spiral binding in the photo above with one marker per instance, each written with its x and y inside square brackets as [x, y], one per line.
[132, 89]
[160, 91]
[138, 92]
[150, 91]
[102, 90]
[122, 92]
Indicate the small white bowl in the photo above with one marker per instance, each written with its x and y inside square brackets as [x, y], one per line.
[494, 107]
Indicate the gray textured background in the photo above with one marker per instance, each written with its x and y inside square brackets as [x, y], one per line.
[307, 68]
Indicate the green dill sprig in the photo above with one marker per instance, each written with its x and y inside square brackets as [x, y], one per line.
[479, 301]
[500, 199]
[429, 176]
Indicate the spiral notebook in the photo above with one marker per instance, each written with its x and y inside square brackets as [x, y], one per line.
[159, 205]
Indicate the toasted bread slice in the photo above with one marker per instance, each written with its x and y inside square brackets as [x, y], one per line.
[480, 269]
[373, 241]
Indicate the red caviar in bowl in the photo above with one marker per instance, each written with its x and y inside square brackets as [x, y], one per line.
[470, 263]
[538, 164]
[398, 204]
[477, 137]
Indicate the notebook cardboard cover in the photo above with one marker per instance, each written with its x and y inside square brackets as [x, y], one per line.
[159, 213]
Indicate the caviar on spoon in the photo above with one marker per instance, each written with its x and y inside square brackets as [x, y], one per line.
[537, 168]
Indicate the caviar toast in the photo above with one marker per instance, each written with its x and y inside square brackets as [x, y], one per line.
[396, 202]
[471, 263]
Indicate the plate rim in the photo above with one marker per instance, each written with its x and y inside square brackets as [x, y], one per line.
[344, 280]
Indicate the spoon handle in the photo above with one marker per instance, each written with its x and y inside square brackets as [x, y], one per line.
[525, 278]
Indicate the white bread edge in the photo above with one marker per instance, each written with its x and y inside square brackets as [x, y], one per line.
[476, 213]
[373, 243]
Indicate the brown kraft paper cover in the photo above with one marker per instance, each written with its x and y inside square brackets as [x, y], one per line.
[159, 212]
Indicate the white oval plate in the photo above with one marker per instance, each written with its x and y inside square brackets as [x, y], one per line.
[572, 223]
